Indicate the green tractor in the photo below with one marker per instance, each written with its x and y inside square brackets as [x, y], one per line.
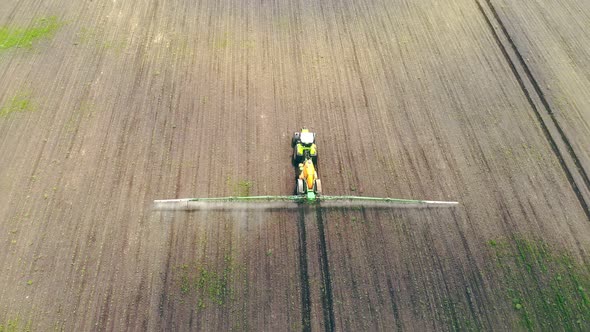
[304, 147]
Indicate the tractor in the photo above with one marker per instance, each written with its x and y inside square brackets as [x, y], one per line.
[309, 189]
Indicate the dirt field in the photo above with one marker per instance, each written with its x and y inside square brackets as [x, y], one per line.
[108, 105]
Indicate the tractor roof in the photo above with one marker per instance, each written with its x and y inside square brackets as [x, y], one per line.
[306, 137]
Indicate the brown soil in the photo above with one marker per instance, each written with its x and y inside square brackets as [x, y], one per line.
[453, 100]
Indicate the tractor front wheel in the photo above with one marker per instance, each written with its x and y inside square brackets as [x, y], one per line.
[295, 157]
[295, 138]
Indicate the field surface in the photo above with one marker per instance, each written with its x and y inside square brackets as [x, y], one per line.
[106, 106]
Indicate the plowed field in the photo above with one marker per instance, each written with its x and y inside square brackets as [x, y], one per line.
[106, 106]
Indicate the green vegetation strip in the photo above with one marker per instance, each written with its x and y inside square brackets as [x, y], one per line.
[15, 325]
[206, 286]
[21, 102]
[24, 37]
[547, 289]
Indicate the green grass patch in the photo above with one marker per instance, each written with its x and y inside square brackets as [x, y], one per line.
[21, 102]
[239, 188]
[15, 325]
[244, 187]
[43, 28]
[205, 286]
[547, 288]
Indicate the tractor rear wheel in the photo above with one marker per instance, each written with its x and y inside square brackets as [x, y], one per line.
[300, 187]
[318, 187]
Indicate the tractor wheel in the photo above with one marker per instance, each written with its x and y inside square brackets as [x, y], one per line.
[295, 138]
[300, 187]
[318, 187]
[295, 158]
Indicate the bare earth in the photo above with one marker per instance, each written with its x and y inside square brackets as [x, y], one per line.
[482, 102]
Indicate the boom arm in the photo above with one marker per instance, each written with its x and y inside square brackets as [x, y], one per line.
[288, 202]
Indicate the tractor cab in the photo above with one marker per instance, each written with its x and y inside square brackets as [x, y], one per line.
[306, 137]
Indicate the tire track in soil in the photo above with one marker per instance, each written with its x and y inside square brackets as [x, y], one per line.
[326, 291]
[164, 275]
[303, 274]
[392, 300]
[541, 96]
[393, 296]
